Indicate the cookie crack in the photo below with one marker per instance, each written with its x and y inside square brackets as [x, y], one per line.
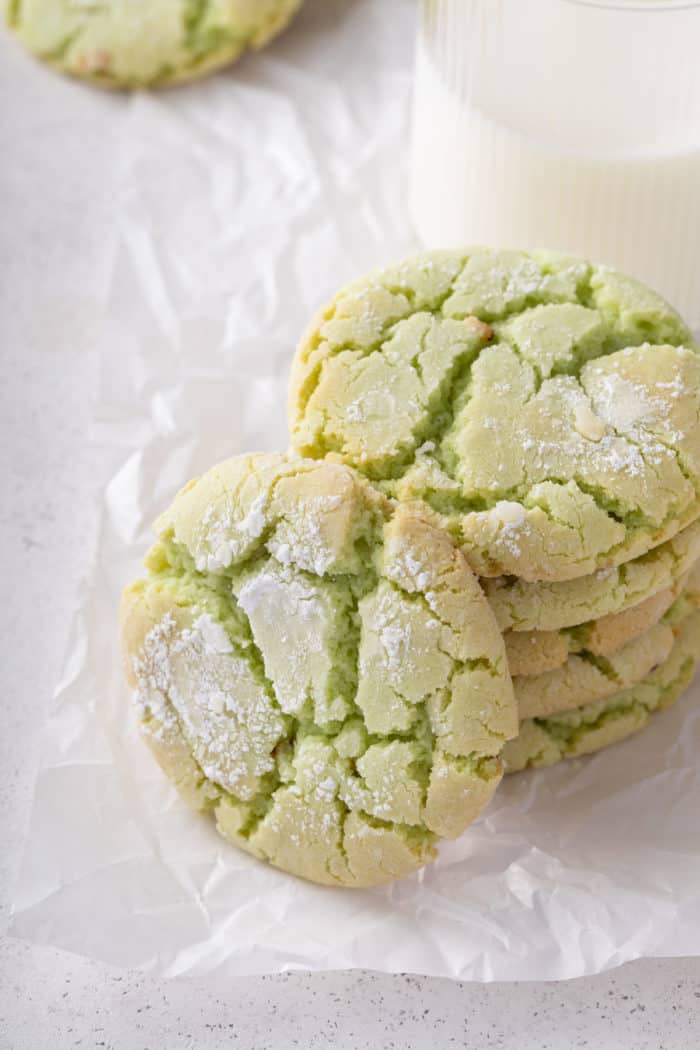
[460, 663]
[434, 309]
[601, 664]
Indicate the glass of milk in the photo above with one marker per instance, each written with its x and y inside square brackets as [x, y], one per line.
[564, 124]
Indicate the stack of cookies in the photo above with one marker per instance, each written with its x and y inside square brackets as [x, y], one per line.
[479, 554]
[546, 412]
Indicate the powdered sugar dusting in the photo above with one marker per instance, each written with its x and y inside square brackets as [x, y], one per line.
[225, 537]
[509, 521]
[294, 624]
[405, 567]
[355, 411]
[306, 538]
[213, 636]
[625, 404]
[253, 523]
[190, 682]
[508, 513]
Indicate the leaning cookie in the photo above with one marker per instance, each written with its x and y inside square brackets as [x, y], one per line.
[519, 605]
[544, 408]
[138, 43]
[317, 668]
[545, 741]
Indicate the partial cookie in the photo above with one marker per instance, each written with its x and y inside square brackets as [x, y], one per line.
[687, 601]
[317, 668]
[522, 606]
[586, 678]
[137, 43]
[534, 652]
[546, 408]
[543, 742]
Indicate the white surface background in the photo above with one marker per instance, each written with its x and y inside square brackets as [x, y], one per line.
[55, 230]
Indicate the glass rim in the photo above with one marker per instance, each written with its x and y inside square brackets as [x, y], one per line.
[648, 6]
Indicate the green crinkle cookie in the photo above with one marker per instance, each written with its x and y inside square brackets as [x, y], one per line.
[545, 409]
[534, 652]
[545, 741]
[585, 678]
[523, 606]
[319, 668]
[136, 43]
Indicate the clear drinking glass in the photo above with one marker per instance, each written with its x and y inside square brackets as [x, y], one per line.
[566, 124]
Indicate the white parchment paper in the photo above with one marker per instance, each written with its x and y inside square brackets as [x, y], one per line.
[245, 201]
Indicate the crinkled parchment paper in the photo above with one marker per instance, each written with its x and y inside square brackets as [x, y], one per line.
[244, 201]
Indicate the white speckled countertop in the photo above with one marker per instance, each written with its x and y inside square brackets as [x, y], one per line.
[54, 225]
